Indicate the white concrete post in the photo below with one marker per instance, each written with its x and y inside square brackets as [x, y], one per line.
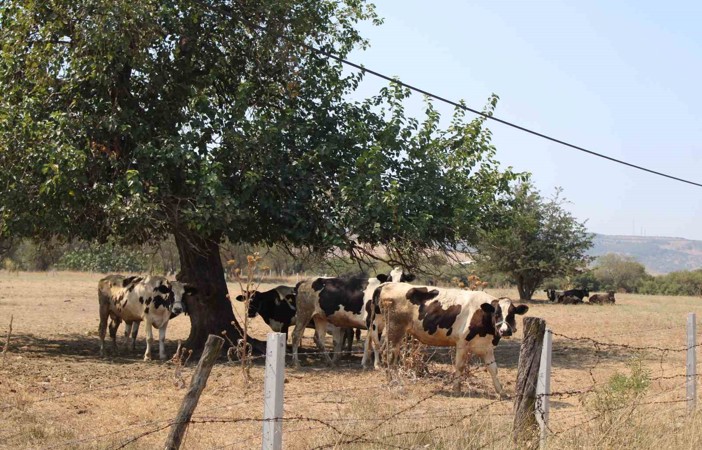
[273, 392]
[691, 365]
[543, 388]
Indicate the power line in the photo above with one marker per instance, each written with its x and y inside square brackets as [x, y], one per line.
[451, 102]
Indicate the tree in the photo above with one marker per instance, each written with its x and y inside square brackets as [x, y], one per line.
[208, 121]
[537, 239]
[616, 272]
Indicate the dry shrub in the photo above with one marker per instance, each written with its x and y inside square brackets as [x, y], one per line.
[180, 359]
[414, 360]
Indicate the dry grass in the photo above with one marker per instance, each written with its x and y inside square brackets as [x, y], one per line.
[55, 392]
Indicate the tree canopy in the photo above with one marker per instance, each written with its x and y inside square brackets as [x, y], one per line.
[208, 120]
[537, 239]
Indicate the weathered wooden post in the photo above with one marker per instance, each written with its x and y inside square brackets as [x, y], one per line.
[525, 429]
[197, 384]
[691, 366]
[543, 388]
[273, 392]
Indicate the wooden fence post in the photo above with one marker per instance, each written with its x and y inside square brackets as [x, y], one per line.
[273, 392]
[691, 366]
[197, 384]
[525, 428]
[543, 388]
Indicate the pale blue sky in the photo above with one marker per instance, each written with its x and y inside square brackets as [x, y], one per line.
[618, 77]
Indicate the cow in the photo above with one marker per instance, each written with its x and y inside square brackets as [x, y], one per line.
[472, 321]
[579, 293]
[602, 299]
[569, 300]
[153, 299]
[276, 307]
[553, 294]
[343, 302]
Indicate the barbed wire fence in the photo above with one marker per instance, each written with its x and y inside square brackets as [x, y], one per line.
[408, 422]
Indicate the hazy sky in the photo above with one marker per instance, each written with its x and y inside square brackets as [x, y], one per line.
[621, 78]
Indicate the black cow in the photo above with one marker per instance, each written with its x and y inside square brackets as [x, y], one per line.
[579, 293]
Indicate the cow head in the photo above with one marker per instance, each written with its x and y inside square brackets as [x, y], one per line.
[178, 292]
[505, 312]
[254, 302]
[397, 275]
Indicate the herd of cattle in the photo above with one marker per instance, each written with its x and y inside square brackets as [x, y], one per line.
[576, 296]
[388, 306]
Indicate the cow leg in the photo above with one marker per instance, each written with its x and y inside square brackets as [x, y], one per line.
[300, 325]
[114, 325]
[102, 328]
[489, 360]
[135, 331]
[377, 349]
[367, 348]
[339, 335]
[149, 338]
[127, 328]
[162, 341]
[320, 328]
[461, 359]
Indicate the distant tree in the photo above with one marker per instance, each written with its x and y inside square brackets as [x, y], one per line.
[616, 272]
[537, 239]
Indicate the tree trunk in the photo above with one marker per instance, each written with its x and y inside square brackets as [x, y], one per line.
[526, 287]
[210, 311]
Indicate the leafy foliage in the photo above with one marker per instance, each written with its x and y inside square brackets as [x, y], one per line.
[538, 239]
[103, 258]
[616, 272]
[136, 120]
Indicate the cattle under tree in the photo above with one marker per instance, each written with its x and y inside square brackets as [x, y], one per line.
[153, 299]
[472, 321]
[341, 302]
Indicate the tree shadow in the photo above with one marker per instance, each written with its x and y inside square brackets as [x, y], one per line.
[79, 347]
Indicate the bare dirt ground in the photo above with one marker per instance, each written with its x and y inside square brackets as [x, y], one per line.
[56, 392]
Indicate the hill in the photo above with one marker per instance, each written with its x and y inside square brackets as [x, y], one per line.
[659, 254]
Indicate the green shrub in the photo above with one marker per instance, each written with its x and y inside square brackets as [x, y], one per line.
[104, 258]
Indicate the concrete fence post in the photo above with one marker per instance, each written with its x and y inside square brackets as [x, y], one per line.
[273, 392]
[543, 388]
[691, 366]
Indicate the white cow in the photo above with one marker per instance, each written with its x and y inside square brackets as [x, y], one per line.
[153, 299]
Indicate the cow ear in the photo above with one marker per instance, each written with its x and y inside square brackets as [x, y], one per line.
[521, 309]
[409, 277]
[290, 298]
[240, 298]
[382, 278]
[488, 308]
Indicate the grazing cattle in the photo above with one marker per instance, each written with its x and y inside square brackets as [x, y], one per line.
[472, 321]
[603, 299]
[579, 293]
[153, 299]
[343, 302]
[277, 307]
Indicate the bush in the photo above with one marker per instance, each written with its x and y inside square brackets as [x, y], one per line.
[104, 258]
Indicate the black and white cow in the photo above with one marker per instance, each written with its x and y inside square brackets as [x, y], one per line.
[340, 302]
[578, 293]
[472, 321]
[553, 294]
[153, 299]
[276, 307]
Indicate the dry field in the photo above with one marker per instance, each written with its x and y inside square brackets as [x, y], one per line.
[55, 392]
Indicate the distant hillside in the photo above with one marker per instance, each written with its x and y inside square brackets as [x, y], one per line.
[659, 254]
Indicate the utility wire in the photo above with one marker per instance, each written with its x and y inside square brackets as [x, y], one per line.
[450, 102]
